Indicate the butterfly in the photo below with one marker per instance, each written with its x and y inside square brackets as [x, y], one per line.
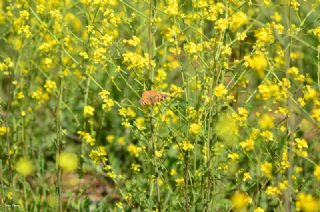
[151, 97]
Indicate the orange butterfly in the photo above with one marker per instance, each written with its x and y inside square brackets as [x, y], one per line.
[151, 97]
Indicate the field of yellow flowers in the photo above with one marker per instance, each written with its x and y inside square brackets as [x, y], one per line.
[160, 105]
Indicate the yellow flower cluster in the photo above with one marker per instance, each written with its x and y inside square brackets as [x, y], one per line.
[136, 61]
[134, 150]
[108, 103]
[301, 147]
[40, 96]
[187, 145]
[220, 90]
[195, 129]
[134, 41]
[127, 113]
[6, 65]
[306, 203]
[50, 86]
[88, 111]
[99, 155]
[135, 167]
[257, 62]
[266, 169]
[169, 117]
[87, 137]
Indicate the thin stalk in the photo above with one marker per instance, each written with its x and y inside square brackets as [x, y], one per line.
[186, 181]
[59, 144]
[1, 181]
[25, 196]
[290, 123]
[152, 5]
[84, 124]
[154, 147]
[318, 73]
[6, 118]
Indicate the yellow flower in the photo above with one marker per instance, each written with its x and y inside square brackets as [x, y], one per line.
[258, 63]
[119, 205]
[99, 155]
[258, 209]
[169, 117]
[246, 176]
[247, 145]
[266, 169]
[220, 90]
[172, 8]
[310, 93]
[159, 153]
[127, 112]
[301, 146]
[242, 114]
[173, 172]
[192, 48]
[264, 35]
[88, 111]
[10, 195]
[121, 140]
[315, 113]
[195, 129]
[273, 191]
[20, 95]
[267, 2]
[238, 19]
[134, 41]
[110, 138]
[3, 130]
[240, 200]
[134, 150]
[277, 17]
[87, 138]
[134, 60]
[241, 36]
[140, 123]
[233, 156]
[221, 24]
[108, 103]
[24, 167]
[293, 71]
[266, 121]
[175, 91]
[267, 135]
[306, 203]
[283, 185]
[180, 181]
[50, 86]
[187, 145]
[68, 161]
[40, 95]
[135, 167]
[316, 172]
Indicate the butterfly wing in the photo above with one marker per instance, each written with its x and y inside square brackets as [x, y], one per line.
[151, 97]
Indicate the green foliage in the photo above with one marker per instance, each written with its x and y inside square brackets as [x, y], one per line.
[159, 105]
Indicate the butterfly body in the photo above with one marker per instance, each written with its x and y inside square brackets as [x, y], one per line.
[151, 98]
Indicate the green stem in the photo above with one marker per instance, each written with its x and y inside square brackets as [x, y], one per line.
[59, 144]
[186, 181]
[290, 122]
[154, 147]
